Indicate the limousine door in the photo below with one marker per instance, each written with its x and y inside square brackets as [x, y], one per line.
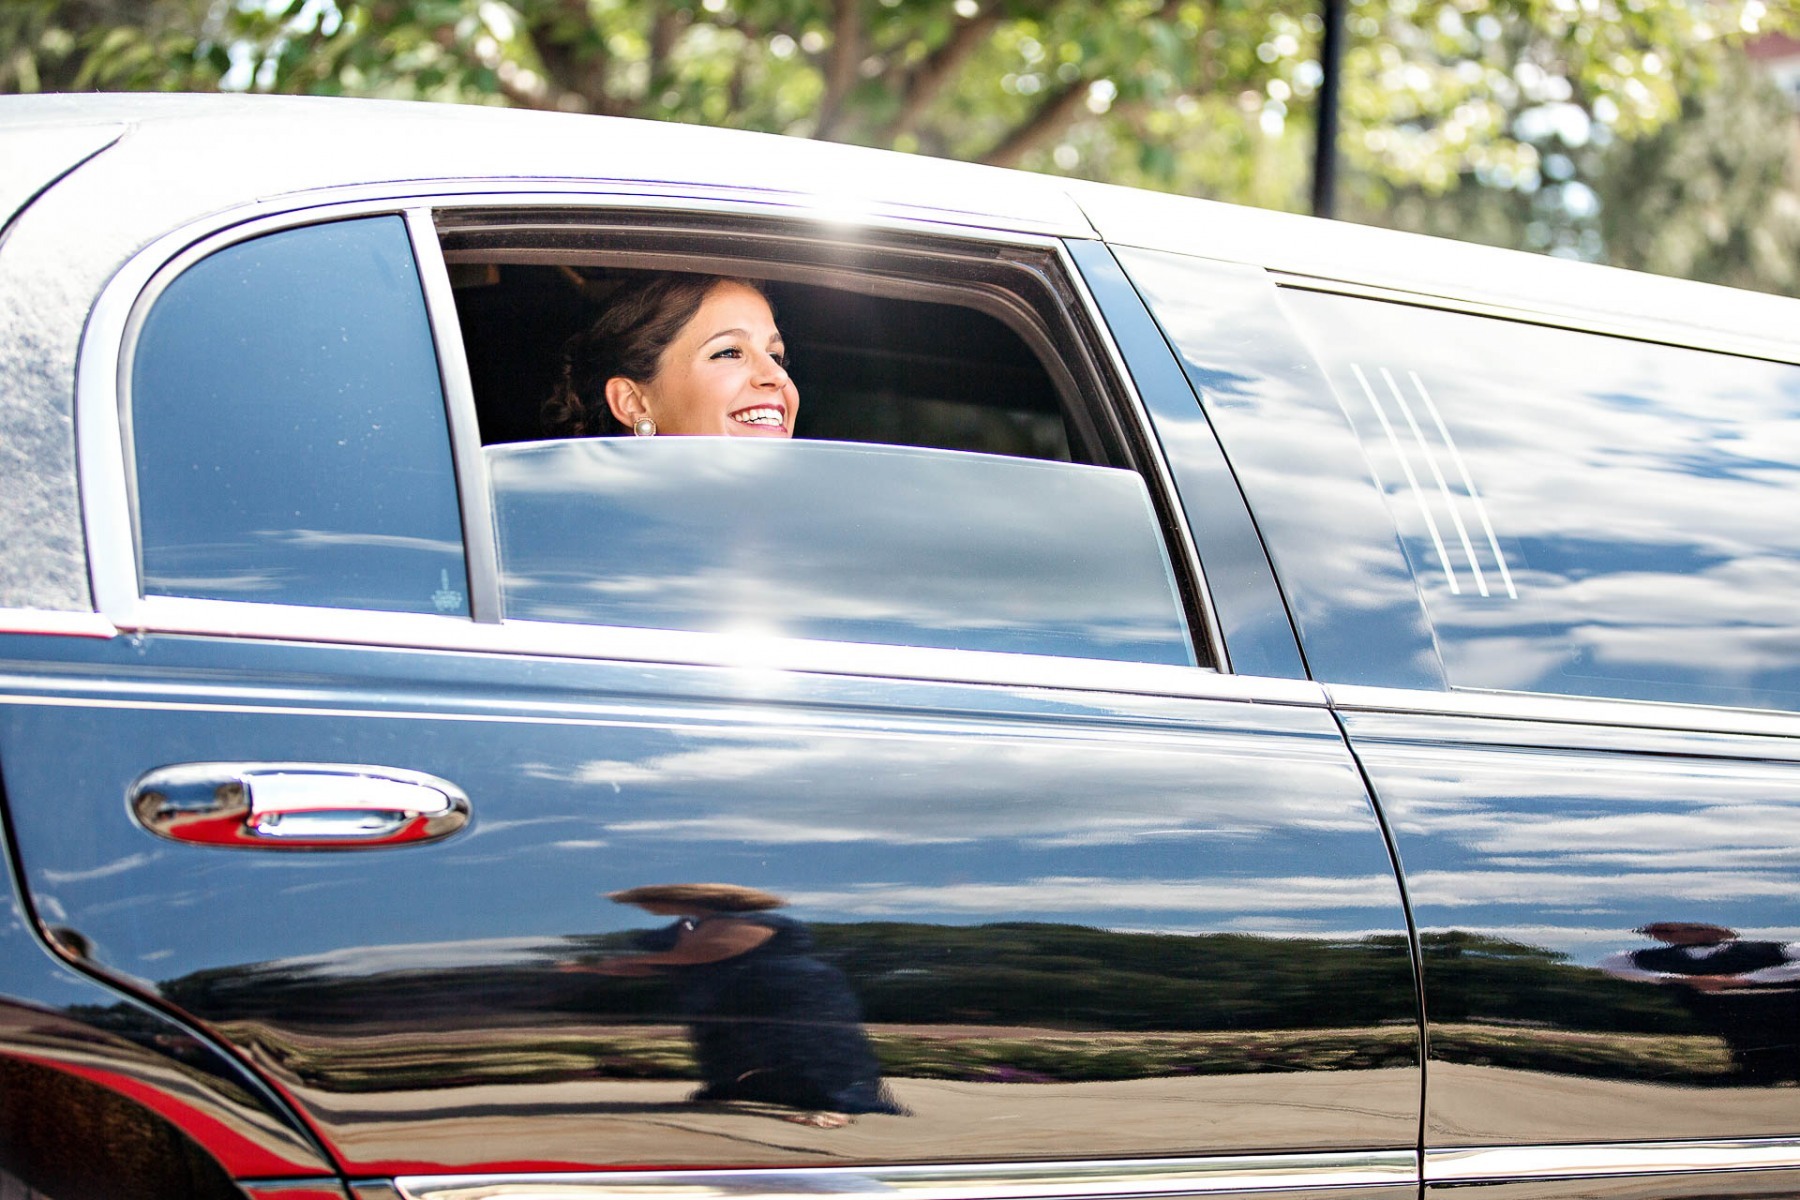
[1103, 917]
[1539, 571]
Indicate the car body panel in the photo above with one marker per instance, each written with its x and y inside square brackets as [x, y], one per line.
[1531, 851]
[951, 822]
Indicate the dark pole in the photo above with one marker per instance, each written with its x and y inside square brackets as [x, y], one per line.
[1331, 59]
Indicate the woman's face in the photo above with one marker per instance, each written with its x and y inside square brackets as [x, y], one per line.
[721, 375]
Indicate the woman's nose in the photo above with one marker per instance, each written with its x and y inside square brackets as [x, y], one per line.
[773, 374]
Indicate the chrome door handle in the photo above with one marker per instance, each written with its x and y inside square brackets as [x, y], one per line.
[297, 806]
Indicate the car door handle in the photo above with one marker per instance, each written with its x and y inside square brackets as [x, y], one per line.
[296, 806]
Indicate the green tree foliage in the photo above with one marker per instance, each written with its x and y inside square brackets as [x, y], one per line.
[1714, 194]
[1204, 96]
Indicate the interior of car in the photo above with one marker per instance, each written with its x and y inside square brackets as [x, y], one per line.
[869, 368]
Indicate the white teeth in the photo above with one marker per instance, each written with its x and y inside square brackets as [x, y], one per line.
[758, 416]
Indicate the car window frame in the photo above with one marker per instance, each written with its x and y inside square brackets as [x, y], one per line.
[103, 399]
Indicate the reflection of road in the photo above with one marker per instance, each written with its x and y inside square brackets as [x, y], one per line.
[645, 1121]
[1487, 1105]
[952, 1121]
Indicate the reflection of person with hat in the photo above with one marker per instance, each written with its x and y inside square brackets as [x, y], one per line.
[770, 1023]
[1747, 992]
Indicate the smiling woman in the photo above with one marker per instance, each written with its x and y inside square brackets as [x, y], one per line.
[678, 354]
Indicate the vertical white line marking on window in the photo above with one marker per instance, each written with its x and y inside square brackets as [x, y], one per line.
[1462, 467]
[1411, 479]
[1437, 475]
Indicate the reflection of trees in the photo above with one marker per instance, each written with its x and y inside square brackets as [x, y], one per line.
[1022, 973]
[1017, 1001]
[1474, 978]
[1019, 973]
[1078, 977]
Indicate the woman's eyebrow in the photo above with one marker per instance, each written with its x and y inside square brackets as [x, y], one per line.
[734, 332]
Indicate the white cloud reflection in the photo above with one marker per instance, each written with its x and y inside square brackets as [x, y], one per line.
[1080, 791]
[1095, 898]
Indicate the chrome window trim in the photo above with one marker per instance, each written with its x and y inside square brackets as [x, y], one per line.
[1564, 710]
[105, 465]
[1496, 1164]
[1639, 329]
[424, 631]
[1165, 480]
[978, 1181]
[481, 556]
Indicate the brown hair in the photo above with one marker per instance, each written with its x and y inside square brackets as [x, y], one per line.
[627, 340]
[717, 897]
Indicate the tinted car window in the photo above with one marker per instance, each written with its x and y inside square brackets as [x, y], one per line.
[1585, 515]
[289, 431]
[891, 545]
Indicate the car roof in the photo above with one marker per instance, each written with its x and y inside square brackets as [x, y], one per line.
[183, 156]
[216, 149]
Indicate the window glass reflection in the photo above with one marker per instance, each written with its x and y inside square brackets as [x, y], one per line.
[1585, 515]
[890, 545]
[289, 428]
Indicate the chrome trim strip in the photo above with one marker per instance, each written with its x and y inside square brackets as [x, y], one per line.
[1412, 480]
[101, 459]
[232, 618]
[1568, 710]
[1507, 1163]
[843, 212]
[1008, 1181]
[481, 560]
[66, 624]
[1468, 479]
[1437, 475]
[1165, 481]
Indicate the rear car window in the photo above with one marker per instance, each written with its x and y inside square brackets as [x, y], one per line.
[289, 437]
[1585, 515]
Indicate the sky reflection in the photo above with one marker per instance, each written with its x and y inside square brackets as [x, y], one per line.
[1642, 495]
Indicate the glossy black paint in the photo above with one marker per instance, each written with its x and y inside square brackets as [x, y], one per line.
[1259, 636]
[57, 1023]
[1347, 582]
[1536, 854]
[896, 545]
[1135, 925]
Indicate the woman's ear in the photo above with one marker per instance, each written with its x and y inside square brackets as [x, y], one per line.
[626, 399]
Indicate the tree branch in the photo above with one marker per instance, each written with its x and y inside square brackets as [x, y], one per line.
[1046, 124]
[927, 81]
[665, 29]
[841, 68]
[578, 80]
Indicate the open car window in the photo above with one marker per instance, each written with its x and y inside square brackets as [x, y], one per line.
[986, 492]
[965, 474]
[869, 368]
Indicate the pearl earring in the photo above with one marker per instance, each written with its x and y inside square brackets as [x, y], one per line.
[645, 427]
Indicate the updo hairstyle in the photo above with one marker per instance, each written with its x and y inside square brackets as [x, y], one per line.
[640, 318]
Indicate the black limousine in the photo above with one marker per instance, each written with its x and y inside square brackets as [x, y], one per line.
[1140, 698]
